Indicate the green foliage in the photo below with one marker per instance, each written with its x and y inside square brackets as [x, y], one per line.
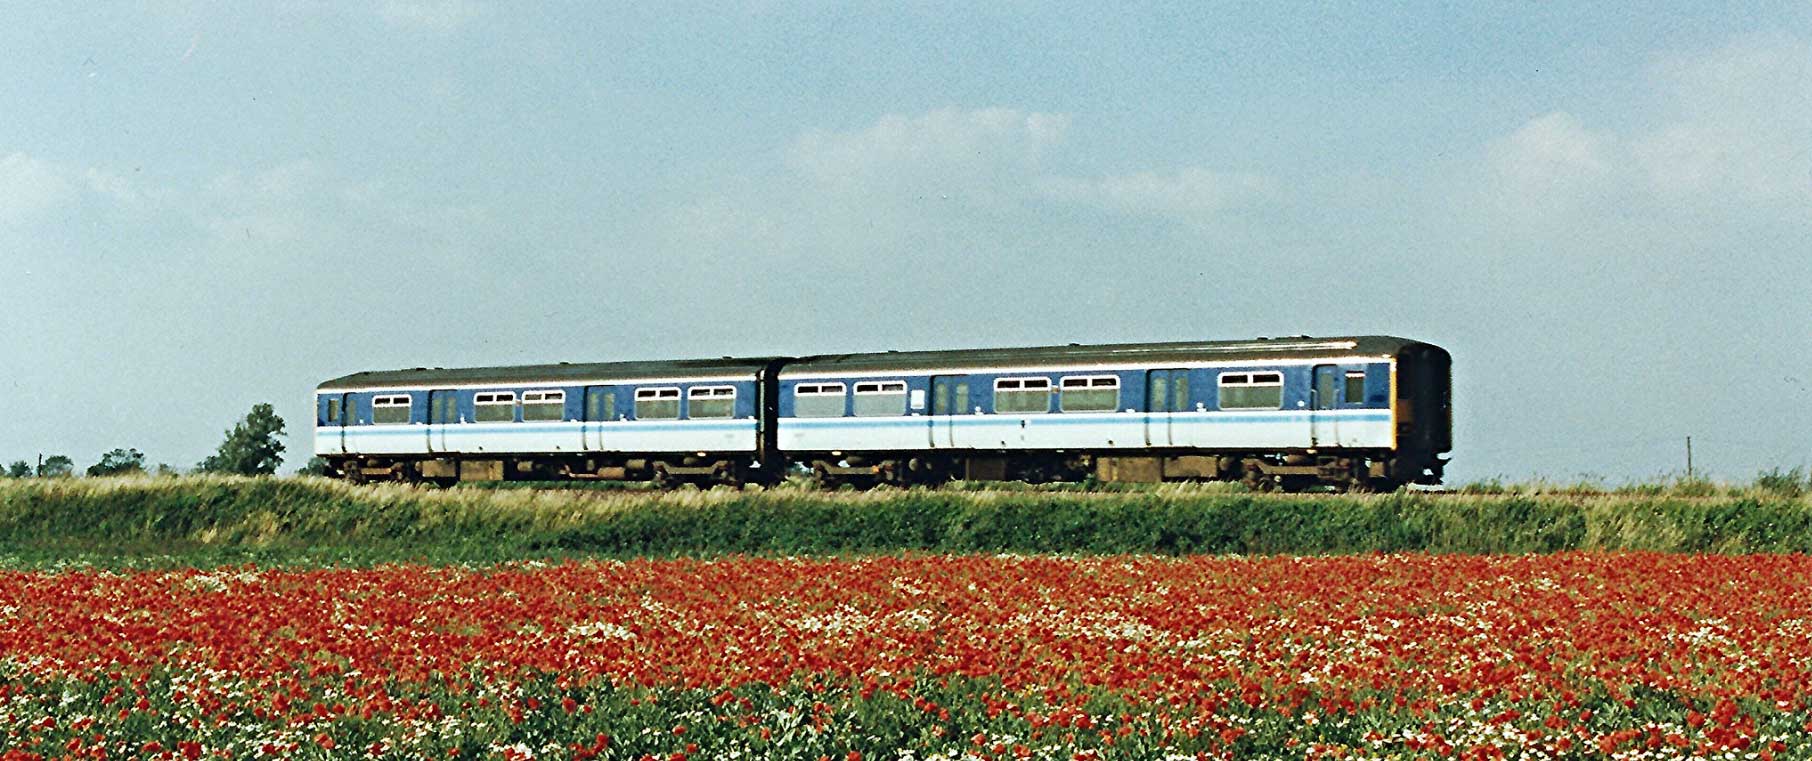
[119, 462]
[316, 466]
[251, 447]
[1790, 483]
[19, 469]
[56, 466]
[213, 519]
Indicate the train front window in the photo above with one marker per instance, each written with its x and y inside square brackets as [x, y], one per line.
[1251, 391]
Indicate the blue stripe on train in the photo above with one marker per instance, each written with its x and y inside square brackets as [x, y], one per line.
[1059, 419]
[846, 423]
[417, 429]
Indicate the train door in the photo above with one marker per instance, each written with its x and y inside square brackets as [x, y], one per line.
[1324, 398]
[600, 408]
[1166, 393]
[443, 414]
[949, 398]
[347, 417]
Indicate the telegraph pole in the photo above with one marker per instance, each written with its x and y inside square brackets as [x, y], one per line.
[1689, 458]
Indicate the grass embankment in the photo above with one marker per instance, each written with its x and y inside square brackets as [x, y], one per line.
[211, 520]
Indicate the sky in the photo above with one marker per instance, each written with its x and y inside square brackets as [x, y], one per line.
[1603, 211]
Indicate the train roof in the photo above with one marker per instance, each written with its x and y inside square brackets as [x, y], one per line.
[1259, 349]
[564, 373]
[1071, 355]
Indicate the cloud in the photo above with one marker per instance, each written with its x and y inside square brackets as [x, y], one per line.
[1727, 126]
[31, 187]
[1188, 194]
[998, 158]
[1740, 127]
[270, 205]
[946, 180]
[439, 16]
[986, 154]
[119, 189]
[1550, 165]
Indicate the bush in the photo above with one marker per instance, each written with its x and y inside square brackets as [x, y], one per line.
[1791, 483]
[228, 519]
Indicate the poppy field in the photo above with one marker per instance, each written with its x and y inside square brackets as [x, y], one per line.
[1572, 655]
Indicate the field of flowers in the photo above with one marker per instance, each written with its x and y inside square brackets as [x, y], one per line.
[1576, 655]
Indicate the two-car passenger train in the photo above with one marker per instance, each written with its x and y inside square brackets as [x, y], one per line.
[1360, 413]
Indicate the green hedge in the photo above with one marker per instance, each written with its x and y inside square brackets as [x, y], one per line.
[273, 519]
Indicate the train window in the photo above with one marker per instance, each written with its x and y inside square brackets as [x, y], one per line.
[880, 398]
[1355, 386]
[600, 404]
[390, 410]
[818, 400]
[1251, 391]
[657, 404]
[1094, 393]
[333, 412]
[711, 401]
[494, 407]
[962, 399]
[443, 408]
[1022, 395]
[544, 405]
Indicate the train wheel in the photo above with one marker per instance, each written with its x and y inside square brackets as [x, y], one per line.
[822, 478]
[891, 474]
[725, 475]
[1256, 480]
[662, 479]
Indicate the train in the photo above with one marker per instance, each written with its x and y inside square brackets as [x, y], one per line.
[1357, 413]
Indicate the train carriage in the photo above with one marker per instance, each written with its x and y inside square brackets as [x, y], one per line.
[700, 420]
[1290, 412]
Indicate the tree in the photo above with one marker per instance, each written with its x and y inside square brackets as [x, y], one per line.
[19, 469]
[251, 447]
[56, 466]
[317, 466]
[119, 462]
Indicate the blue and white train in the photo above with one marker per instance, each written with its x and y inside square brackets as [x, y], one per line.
[1359, 413]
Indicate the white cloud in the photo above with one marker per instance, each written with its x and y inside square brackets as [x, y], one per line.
[1740, 125]
[30, 187]
[982, 154]
[1550, 165]
[999, 157]
[440, 16]
[950, 175]
[121, 190]
[1729, 126]
[269, 206]
[1189, 194]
